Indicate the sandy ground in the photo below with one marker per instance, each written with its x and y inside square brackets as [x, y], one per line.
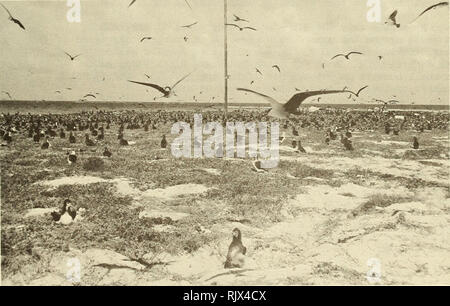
[324, 238]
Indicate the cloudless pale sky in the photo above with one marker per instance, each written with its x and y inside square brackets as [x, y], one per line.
[297, 35]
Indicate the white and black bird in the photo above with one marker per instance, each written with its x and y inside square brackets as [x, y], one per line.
[347, 56]
[241, 28]
[441, 4]
[72, 57]
[166, 91]
[282, 111]
[16, 21]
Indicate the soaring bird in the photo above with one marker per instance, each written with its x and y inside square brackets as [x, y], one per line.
[8, 94]
[445, 3]
[166, 91]
[392, 19]
[277, 67]
[131, 3]
[359, 91]
[240, 28]
[190, 25]
[146, 38]
[237, 18]
[347, 56]
[282, 111]
[16, 21]
[72, 57]
[90, 95]
[258, 71]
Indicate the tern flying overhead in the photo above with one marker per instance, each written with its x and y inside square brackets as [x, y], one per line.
[277, 67]
[240, 28]
[237, 18]
[282, 111]
[445, 3]
[166, 91]
[131, 3]
[16, 21]
[72, 57]
[347, 56]
[146, 38]
[190, 25]
[392, 19]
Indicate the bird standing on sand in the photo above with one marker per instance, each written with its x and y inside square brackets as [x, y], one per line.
[236, 251]
[107, 153]
[282, 111]
[166, 91]
[16, 21]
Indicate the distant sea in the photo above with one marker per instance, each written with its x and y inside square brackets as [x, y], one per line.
[73, 106]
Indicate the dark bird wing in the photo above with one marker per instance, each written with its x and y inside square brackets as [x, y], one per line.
[337, 56]
[7, 10]
[393, 15]
[157, 87]
[276, 67]
[298, 99]
[179, 81]
[234, 25]
[18, 23]
[354, 52]
[359, 91]
[131, 3]
[258, 71]
[445, 3]
[190, 25]
[250, 28]
[144, 38]
[147, 75]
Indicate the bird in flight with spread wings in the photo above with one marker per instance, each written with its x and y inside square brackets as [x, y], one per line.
[347, 56]
[282, 111]
[240, 28]
[445, 3]
[166, 91]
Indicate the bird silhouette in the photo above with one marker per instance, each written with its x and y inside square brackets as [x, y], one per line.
[359, 91]
[237, 18]
[148, 77]
[8, 94]
[190, 25]
[146, 38]
[258, 71]
[277, 67]
[282, 111]
[240, 28]
[393, 19]
[131, 3]
[235, 251]
[445, 3]
[347, 56]
[166, 91]
[90, 95]
[72, 57]
[16, 21]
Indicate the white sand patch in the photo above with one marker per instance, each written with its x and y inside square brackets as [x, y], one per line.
[173, 192]
[72, 180]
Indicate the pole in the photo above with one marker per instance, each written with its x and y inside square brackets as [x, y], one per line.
[225, 18]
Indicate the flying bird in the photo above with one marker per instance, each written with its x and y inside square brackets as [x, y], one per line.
[190, 25]
[72, 57]
[131, 3]
[392, 19]
[146, 38]
[277, 67]
[347, 56]
[237, 19]
[166, 91]
[16, 21]
[282, 111]
[380, 57]
[240, 28]
[258, 71]
[90, 95]
[148, 77]
[7, 93]
[445, 3]
[359, 91]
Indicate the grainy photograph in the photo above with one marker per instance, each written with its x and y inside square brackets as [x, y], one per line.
[224, 143]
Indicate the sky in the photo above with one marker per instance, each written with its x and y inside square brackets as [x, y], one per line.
[296, 35]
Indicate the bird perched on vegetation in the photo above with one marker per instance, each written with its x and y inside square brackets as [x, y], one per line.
[88, 141]
[71, 157]
[107, 153]
[66, 214]
[236, 251]
[72, 138]
[45, 145]
[163, 142]
[415, 143]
